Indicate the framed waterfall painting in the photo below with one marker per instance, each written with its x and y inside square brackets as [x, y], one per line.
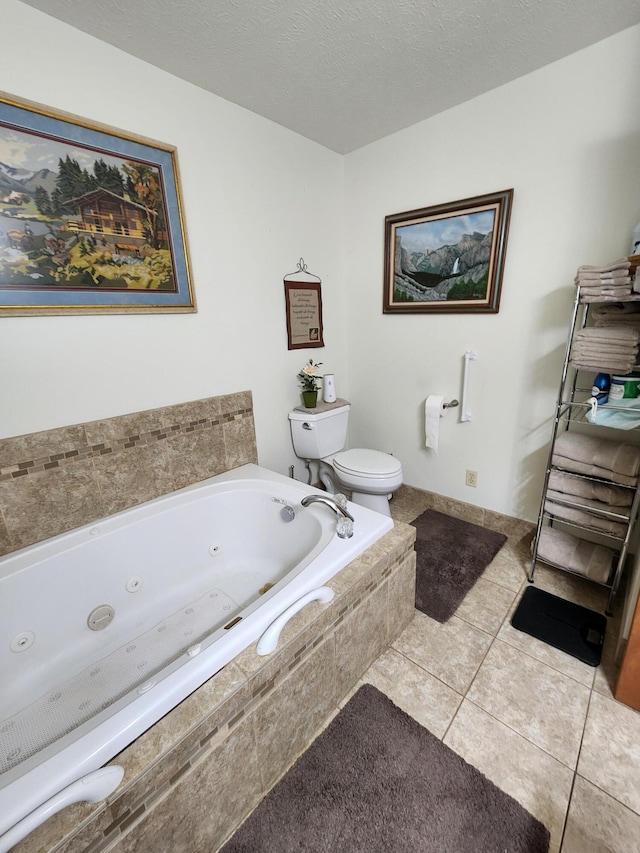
[447, 259]
[90, 218]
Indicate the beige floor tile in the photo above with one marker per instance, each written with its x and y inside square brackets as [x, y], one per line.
[419, 694]
[608, 671]
[530, 775]
[451, 651]
[599, 824]
[507, 569]
[543, 705]
[526, 707]
[486, 605]
[610, 753]
[545, 653]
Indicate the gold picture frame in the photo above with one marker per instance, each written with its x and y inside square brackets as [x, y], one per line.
[91, 218]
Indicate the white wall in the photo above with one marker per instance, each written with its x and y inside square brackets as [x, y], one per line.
[567, 139]
[256, 198]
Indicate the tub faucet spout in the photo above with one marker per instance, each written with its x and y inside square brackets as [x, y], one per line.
[344, 525]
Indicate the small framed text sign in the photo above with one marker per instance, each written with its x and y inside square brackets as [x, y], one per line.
[304, 310]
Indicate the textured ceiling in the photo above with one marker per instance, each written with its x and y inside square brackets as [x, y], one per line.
[347, 72]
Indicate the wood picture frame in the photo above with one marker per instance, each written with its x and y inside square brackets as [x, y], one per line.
[448, 258]
[303, 301]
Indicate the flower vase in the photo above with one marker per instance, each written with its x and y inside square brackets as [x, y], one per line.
[310, 399]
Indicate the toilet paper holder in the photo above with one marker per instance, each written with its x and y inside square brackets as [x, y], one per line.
[451, 405]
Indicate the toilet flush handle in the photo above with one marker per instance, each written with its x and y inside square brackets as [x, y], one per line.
[307, 425]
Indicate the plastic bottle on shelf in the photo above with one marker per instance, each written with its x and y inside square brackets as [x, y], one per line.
[601, 387]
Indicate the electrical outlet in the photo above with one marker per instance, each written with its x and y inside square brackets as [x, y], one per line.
[472, 478]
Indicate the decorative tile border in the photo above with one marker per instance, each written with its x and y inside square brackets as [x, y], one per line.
[62, 478]
[57, 460]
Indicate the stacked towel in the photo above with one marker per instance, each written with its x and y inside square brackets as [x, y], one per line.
[585, 495]
[554, 506]
[617, 314]
[615, 498]
[586, 558]
[610, 348]
[613, 281]
[597, 457]
[619, 267]
[601, 298]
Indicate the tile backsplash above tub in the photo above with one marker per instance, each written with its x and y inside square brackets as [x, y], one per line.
[56, 480]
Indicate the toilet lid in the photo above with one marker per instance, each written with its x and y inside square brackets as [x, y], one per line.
[367, 463]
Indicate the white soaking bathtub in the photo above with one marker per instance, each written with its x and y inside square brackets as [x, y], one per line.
[105, 629]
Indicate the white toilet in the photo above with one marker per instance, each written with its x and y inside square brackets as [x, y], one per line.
[371, 476]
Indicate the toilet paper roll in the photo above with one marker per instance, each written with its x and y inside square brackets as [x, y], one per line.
[435, 408]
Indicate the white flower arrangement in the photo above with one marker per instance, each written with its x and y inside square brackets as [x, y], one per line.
[309, 376]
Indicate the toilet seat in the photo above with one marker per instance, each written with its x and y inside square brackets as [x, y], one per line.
[363, 463]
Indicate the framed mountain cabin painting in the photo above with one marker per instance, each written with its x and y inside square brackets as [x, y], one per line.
[90, 218]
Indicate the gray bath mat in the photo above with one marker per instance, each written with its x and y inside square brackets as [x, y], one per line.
[377, 781]
[451, 554]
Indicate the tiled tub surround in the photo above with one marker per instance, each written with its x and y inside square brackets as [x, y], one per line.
[59, 479]
[193, 777]
[177, 574]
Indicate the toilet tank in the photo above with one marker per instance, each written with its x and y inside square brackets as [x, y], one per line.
[318, 435]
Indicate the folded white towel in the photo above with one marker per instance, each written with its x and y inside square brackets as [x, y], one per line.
[605, 360]
[592, 470]
[608, 347]
[594, 274]
[584, 518]
[620, 335]
[621, 458]
[623, 289]
[617, 292]
[587, 297]
[615, 497]
[603, 363]
[618, 351]
[581, 503]
[608, 365]
[595, 280]
[585, 558]
[619, 264]
[604, 354]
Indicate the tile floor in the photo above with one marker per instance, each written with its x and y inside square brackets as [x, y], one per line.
[540, 724]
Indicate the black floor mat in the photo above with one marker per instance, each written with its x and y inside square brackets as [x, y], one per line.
[562, 624]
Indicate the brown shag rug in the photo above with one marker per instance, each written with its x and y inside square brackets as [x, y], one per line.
[451, 554]
[376, 781]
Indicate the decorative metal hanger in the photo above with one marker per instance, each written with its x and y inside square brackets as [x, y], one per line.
[302, 270]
